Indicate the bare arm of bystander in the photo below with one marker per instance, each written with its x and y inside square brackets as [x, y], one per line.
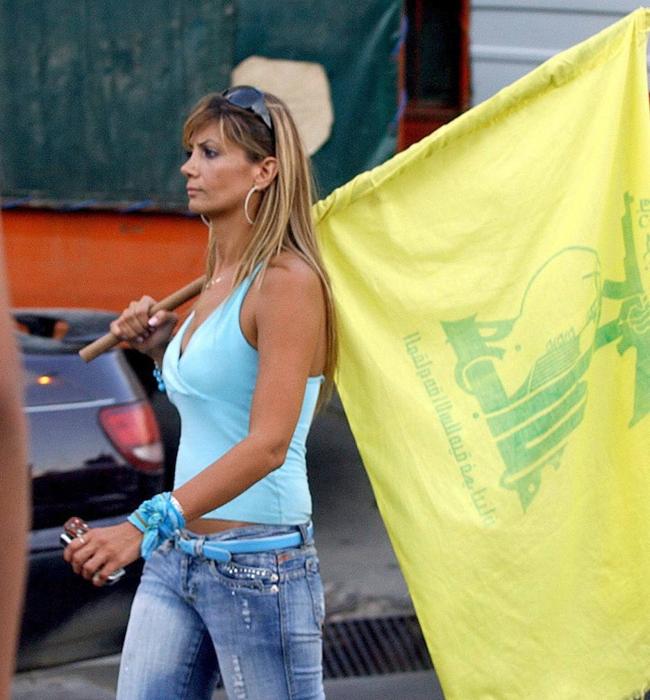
[14, 500]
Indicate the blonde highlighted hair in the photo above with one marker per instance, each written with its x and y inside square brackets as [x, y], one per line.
[283, 221]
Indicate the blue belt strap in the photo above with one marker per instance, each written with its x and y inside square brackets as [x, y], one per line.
[222, 550]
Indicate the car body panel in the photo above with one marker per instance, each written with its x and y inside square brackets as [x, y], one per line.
[75, 469]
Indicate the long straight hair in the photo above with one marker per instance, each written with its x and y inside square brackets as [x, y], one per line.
[283, 221]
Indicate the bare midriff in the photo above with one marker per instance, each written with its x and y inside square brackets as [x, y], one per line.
[208, 526]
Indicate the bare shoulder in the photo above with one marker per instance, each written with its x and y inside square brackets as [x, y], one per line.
[290, 318]
[288, 274]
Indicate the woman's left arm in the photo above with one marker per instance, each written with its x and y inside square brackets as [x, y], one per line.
[289, 316]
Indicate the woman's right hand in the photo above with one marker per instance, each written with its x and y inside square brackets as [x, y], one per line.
[147, 333]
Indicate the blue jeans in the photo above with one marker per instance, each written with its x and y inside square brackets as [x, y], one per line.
[255, 621]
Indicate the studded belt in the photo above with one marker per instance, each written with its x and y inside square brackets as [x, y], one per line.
[222, 550]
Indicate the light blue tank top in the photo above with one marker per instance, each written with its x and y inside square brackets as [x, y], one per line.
[212, 387]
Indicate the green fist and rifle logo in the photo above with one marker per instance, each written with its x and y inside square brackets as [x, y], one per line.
[533, 412]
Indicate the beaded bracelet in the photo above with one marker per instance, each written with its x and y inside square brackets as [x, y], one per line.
[157, 373]
[158, 519]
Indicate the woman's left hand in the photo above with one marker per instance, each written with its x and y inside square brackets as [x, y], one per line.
[102, 550]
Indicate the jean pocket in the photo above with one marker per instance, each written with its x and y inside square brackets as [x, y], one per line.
[242, 573]
[316, 591]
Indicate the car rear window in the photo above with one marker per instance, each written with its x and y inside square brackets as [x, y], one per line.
[55, 331]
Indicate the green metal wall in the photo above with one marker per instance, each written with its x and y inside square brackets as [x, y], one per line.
[94, 92]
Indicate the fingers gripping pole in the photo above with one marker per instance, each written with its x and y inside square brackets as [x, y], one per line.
[173, 301]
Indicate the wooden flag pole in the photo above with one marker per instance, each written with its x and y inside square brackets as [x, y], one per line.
[173, 301]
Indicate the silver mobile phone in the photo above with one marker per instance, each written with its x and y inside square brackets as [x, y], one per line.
[75, 527]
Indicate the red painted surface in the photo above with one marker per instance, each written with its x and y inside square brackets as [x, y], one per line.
[99, 260]
[464, 89]
[420, 119]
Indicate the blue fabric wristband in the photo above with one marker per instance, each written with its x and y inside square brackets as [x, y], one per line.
[158, 519]
[136, 522]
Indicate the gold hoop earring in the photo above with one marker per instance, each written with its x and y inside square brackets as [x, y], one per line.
[205, 220]
[252, 190]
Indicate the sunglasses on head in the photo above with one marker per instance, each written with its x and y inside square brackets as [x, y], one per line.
[251, 99]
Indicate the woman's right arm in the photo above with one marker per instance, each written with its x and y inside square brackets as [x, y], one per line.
[150, 334]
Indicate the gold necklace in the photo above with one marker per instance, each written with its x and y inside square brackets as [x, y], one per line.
[213, 281]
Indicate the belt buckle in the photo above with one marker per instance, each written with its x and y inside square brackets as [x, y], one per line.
[217, 553]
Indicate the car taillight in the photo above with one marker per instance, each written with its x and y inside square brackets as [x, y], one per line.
[133, 429]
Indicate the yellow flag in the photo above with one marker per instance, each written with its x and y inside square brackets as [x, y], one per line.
[492, 289]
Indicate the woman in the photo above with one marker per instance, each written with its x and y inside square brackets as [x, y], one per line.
[231, 567]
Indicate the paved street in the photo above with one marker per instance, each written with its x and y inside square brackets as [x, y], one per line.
[95, 680]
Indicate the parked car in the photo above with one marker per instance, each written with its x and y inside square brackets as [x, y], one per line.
[95, 452]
